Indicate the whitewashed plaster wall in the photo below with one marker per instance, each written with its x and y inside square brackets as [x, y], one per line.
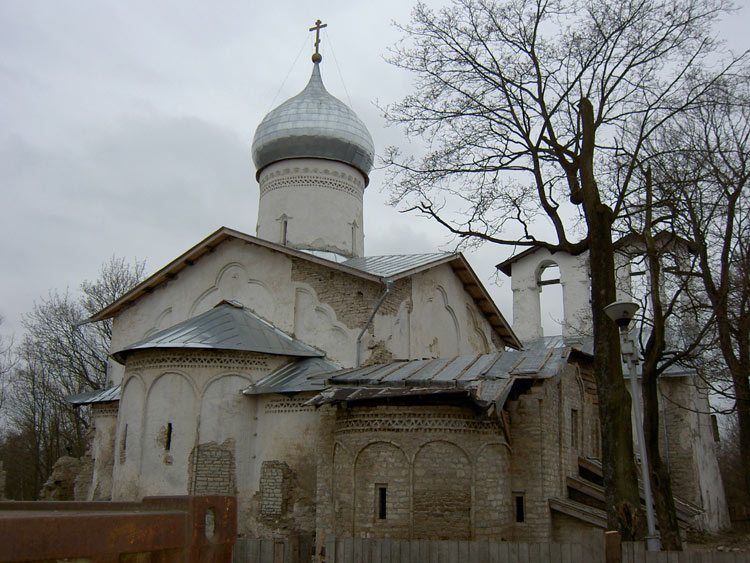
[445, 321]
[576, 289]
[257, 277]
[199, 395]
[440, 319]
[204, 405]
[104, 421]
[319, 200]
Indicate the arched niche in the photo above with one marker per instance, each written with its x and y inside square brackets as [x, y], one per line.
[381, 491]
[442, 492]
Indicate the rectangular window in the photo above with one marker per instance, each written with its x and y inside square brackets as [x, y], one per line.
[520, 508]
[381, 500]
[574, 428]
[168, 442]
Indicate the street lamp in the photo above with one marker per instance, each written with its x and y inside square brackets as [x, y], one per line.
[622, 313]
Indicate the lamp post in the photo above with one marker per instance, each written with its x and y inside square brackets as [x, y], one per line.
[622, 313]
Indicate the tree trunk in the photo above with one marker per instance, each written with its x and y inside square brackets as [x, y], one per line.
[661, 482]
[624, 512]
[742, 390]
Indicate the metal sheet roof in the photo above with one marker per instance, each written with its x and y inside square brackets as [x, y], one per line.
[313, 124]
[391, 265]
[303, 375]
[487, 379]
[99, 396]
[228, 326]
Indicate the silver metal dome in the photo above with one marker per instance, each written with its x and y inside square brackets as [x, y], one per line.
[313, 124]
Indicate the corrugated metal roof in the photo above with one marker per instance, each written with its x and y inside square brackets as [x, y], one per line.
[228, 326]
[486, 378]
[391, 265]
[303, 375]
[99, 396]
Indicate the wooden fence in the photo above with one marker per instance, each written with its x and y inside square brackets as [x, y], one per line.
[635, 552]
[351, 550]
[348, 550]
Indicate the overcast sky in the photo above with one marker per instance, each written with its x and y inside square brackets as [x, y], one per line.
[125, 128]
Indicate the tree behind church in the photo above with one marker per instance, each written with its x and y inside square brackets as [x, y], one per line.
[57, 356]
[524, 104]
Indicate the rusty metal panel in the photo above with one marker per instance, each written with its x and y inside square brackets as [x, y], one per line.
[171, 529]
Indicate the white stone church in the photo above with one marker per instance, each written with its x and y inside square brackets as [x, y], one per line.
[342, 394]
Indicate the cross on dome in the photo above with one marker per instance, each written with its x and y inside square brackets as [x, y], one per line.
[317, 57]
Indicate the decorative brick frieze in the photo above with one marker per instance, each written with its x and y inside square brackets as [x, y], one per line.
[415, 421]
[246, 361]
[317, 179]
[280, 406]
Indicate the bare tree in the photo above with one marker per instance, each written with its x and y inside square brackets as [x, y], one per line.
[58, 356]
[524, 103]
[702, 163]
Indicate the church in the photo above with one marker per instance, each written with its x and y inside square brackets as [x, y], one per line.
[340, 394]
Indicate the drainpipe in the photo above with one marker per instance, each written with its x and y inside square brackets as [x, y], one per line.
[388, 286]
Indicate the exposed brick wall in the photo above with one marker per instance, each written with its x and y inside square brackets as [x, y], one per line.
[275, 488]
[493, 507]
[382, 465]
[351, 298]
[430, 458]
[212, 469]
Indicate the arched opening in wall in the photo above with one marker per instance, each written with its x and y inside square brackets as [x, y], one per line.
[551, 299]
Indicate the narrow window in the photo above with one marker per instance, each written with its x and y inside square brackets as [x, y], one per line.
[381, 500]
[123, 444]
[574, 428]
[284, 225]
[520, 509]
[168, 442]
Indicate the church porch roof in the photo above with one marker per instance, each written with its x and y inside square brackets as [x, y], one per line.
[487, 379]
[110, 395]
[228, 326]
[303, 375]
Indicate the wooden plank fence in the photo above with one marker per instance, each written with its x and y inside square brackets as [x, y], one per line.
[635, 552]
[354, 550]
[299, 549]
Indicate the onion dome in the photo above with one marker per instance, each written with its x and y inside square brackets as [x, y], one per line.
[313, 124]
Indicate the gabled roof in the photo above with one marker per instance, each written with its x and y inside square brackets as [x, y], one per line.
[395, 266]
[374, 268]
[228, 326]
[486, 379]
